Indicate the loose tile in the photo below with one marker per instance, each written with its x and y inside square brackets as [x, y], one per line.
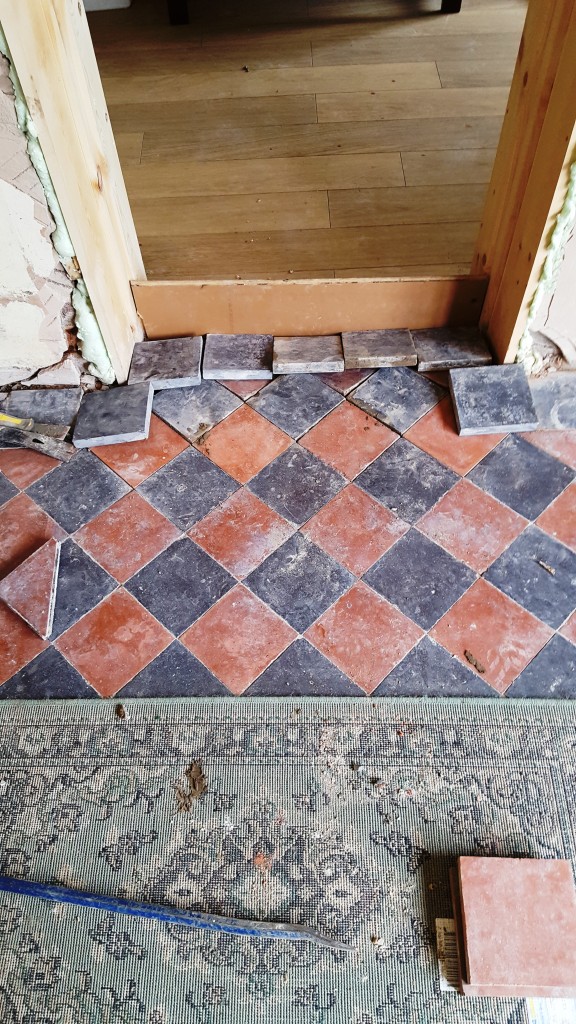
[244, 388]
[168, 363]
[555, 399]
[18, 644]
[174, 673]
[521, 476]
[538, 573]
[559, 519]
[301, 671]
[569, 628]
[406, 480]
[243, 444]
[45, 405]
[500, 635]
[137, 461]
[82, 584]
[77, 491]
[193, 411]
[348, 439]
[22, 466]
[373, 349]
[188, 488]
[436, 433]
[116, 416]
[48, 677]
[241, 533]
[299, 581]
[559, 443]
[113, 642]
[238, 638]
[7, 489]
[30, 589]
[296, 485]
[397, 396]
[308, 355]
[492, 399]
[471, 525]
[23, 529]
[355, 529]
[126, 536]
[345, 382]
[429, 671]
[180, 584]
[238, 356]
[295, 402]
[364, 636]
[447, 347]
[420, 578]
[552, 674]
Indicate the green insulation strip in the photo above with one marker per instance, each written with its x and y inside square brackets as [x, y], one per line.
[92, 343]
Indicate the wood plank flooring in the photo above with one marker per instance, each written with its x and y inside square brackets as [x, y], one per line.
[348, 138]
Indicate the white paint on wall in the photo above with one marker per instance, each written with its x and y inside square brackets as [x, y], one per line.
[24, 256]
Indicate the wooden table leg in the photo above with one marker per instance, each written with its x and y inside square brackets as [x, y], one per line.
[451, 6]
[178, 12]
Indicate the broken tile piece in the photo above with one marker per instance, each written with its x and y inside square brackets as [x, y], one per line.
[167, 363]
[445, 348]
[519, 926]
[114, 417]
[308, 355]
[45, 405]
[30, 589]
[489, 399]
[193, 411]
[373, 349]
[238, 357]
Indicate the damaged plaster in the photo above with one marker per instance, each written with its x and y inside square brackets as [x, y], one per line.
[36, 294]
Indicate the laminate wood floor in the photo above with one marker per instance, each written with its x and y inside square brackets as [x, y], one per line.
[320, 138]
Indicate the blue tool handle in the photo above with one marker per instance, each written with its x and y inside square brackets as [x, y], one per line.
[158, 912]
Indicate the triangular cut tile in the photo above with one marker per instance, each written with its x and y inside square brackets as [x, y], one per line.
[30, 589]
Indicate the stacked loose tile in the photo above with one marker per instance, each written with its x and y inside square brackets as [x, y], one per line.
[515, 927]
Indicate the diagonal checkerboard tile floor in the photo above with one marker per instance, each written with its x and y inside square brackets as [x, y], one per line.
[278, 539]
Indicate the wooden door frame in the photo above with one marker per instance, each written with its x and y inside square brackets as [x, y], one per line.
[53, 55]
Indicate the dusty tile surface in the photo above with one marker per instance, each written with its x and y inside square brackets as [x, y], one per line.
[348, 439]
[550, 675]
[188, 488]
[193, 411]
[243, 444]
[57, 406]
[120, 414]
[521, 476]
[437, 434]
[18, 643]
[241, 533]
[406, 480]
[295, 403]
[302, 671]
[397, 396]
[492, 399]
[29, 590]
[135, 462]
[559, 443]
[22, 466]
[430, 671]
[296, 485]
[244, 389]
[538, 573]
[345, 382]
[555, 399]
[174, 673]
[559, 519]
[168, 363]
[77, 491]
[308, 355]
[48, 677]
[447, 347]
[23, 529]
[7, 489]
[238, 356]
[82, 584]
[374, 349]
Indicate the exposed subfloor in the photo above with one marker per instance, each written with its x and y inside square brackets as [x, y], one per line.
[318, 138]
[299, 546]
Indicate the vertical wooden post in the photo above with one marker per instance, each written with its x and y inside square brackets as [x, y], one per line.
[52, 50]
[530, 174]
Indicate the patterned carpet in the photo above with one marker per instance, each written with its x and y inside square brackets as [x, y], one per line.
[340, 814]
[279, 539]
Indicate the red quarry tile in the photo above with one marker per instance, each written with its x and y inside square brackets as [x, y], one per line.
[559, 519]
[519, 926]
[23, 467]
[496, 632]
[559, 443]
[18, 643]
[244, 388]
[241, 533]
[569, 628]
[244, 443]
[238, 638]
[364, 636]
[113, 642]
[348, 439]
[126, 536]
[30, 589]
[24, 527]
[471, 525]
[345, 382]
[436, 434]
[355, 529]
[136, 461]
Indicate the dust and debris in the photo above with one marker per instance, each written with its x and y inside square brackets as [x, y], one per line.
[120, 711]
[474, 661]
[245, 67]
[377, 940]
[544, 565]
[193, 789]
[262, 862]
